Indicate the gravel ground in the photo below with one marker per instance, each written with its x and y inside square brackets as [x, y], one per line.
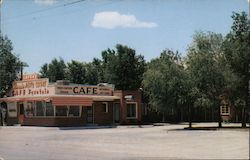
[123, 142]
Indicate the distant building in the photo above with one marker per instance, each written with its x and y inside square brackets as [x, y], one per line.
[35, 101]
[226, 108]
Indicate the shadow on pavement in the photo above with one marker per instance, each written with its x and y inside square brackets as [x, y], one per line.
[217, 128]
[86, 127]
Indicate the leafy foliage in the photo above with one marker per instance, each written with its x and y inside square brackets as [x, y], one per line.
[10, 65]
[56, 70]
[237, 52]
[123, 67]
[76, 72]
[163, 81]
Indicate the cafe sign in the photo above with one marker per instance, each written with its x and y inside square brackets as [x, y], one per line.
[83, 90]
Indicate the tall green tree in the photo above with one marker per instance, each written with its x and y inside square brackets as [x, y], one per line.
[10, 65]
[237, 52]
[163, 82]
[92, 74]
[85, 73]
[95, 72]
[56, 70]
[99, 68]
[123, 67]
[204, 57]
[76, 72]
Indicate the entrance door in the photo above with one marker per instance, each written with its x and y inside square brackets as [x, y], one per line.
[116, 112]
[89, 115]
[21, 113]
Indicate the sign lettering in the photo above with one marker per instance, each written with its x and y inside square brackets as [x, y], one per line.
[32, 87]
[83, 90]
[30, 76]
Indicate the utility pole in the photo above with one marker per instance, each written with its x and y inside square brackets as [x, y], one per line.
[1, 1]
[249, 10]
[248, 96]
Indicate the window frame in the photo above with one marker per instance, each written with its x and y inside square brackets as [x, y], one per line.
[107, 107]
[224, 108]
[136, 110]
[67, 112]
[12, 109]
[33, 106]
[80, 110]
[43, 109]
[54, 110]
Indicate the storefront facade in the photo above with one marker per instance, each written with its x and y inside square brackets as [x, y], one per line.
[34, 101]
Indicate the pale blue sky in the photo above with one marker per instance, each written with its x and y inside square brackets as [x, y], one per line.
[72, 32]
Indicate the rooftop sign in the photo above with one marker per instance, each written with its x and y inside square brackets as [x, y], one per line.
[31, 87]
[30, 76]
[83, 90]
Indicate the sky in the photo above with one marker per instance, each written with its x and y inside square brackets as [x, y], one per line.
[41, 30]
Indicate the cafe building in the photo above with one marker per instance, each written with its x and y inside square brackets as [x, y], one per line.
[34, 101]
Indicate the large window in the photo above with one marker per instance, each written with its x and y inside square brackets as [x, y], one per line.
[68, 111]
[40, 109]
[131, 110]
[74, 111]
[49, 109]
[62, 111]
[29, 109]
[46, 109]
[12, 109]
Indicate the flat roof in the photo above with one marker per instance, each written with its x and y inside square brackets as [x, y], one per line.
[50, 97]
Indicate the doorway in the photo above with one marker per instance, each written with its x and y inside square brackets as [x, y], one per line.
[116, 113]
[90, 117]
[21, 113]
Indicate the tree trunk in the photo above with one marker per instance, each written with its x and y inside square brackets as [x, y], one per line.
[243, 121]
[1, 119]
[181, 114]
[205, 114]
[246, 107]
[219, 117]
[163, 117]
[236, 117]
[212, 114]
[190, 115]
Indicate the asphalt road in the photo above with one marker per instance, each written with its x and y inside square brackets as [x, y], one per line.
[124, 142]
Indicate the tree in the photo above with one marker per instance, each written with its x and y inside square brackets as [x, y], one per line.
[10, 65]
[92, 74]
[163, 82]
[56, 70]
[95, 72]
[189, 93]
[85, 73]
[123, 67]
[237, 52]
[76, 72]
[203, 63]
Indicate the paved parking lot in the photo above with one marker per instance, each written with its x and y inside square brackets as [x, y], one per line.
[124, 142]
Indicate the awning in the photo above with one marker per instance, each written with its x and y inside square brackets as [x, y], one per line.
[63, 99]
[21, 99]
[79, 101]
